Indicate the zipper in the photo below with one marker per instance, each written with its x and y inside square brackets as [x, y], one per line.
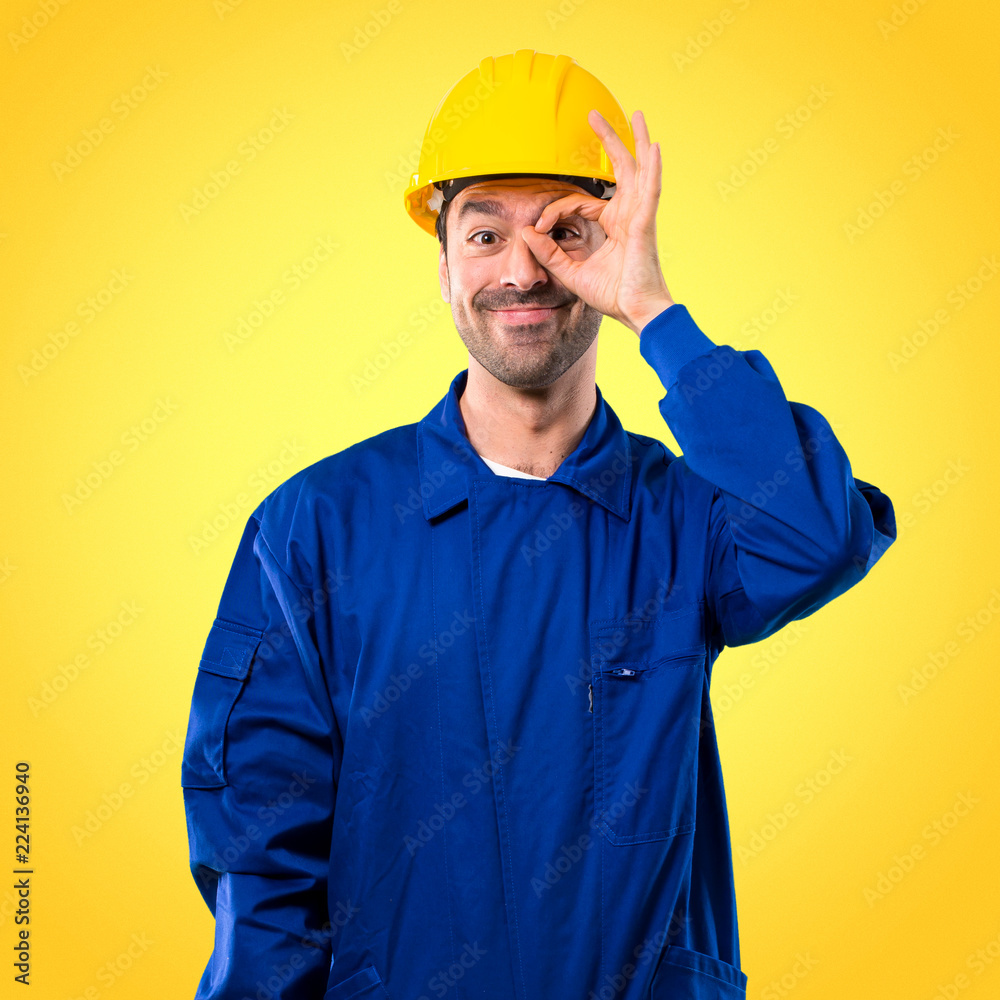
[617, 672]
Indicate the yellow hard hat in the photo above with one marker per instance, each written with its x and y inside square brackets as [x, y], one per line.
[514, 115]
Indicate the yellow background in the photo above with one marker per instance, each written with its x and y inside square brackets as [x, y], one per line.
[219, 425]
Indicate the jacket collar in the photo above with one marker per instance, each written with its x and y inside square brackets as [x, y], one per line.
[600, 467]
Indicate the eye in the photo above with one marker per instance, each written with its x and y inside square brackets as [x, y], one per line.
[571, 234]
[482, 232]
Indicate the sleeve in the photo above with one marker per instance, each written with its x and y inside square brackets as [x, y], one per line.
[790, 528]
[257, 777]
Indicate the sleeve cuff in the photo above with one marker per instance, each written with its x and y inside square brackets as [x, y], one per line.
[670, 340]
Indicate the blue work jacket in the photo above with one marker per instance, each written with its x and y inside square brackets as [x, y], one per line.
[451, 734]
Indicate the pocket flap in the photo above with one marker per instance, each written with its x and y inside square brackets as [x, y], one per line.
[229, 649]
[640, 644]
[686, 973]
[366, 982]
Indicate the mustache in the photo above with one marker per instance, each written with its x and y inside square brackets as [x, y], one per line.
[522, 303]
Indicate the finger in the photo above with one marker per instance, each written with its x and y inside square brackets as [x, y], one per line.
[646, 157]
[610, 139]
[641, 133]
[621, 159]
[587, 206]
[552, 257]
[652, 182]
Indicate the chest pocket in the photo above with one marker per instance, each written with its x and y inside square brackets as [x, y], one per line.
[647, 681]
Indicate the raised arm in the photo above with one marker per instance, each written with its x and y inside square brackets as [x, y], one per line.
[791, 528]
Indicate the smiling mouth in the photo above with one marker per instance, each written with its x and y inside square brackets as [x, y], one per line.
[518, 317]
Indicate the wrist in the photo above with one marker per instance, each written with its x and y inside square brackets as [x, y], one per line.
[638, 318]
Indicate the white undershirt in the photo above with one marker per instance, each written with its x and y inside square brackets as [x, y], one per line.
[506, 470]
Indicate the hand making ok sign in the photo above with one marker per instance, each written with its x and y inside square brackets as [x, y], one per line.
[622, 278]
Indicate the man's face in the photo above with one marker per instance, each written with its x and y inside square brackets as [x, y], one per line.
[490, 271]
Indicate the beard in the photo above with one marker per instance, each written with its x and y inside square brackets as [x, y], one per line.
[559, 345]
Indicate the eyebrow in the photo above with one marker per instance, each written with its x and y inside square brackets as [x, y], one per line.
[497, 210]
[494, 208]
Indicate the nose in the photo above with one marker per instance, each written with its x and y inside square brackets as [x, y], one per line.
[521, 269]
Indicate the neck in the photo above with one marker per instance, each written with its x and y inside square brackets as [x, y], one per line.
[531, 430]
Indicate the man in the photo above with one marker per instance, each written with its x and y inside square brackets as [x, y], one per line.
[451, 734]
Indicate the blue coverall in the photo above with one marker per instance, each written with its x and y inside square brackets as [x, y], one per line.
[451, 734]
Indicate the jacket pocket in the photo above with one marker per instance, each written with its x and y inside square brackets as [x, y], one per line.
[364, 983]
[695, 976]
[647, 681]
[222, 671]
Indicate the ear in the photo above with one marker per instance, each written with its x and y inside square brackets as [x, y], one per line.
[443, 276]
